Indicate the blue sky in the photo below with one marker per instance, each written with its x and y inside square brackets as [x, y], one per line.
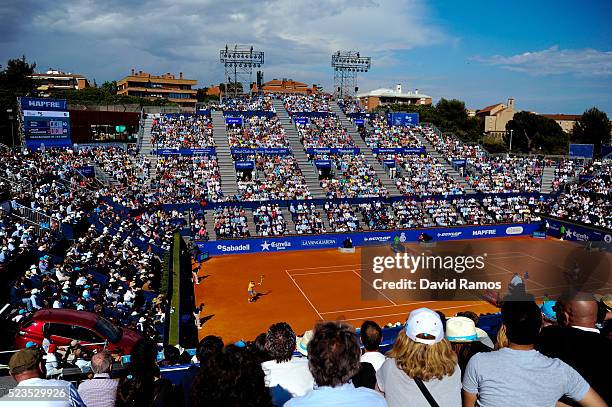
[551, 56]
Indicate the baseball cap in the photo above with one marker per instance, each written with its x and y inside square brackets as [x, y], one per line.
[424, 321]
[24, 359]
[302, 342]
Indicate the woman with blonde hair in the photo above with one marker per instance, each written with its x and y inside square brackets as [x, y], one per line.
[421, 370]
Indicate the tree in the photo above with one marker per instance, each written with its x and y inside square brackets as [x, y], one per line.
[109, 87]
[593, 127]
[532, 133]
[15, 80]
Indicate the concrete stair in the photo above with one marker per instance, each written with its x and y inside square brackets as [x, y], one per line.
[227, 171]
[288, 219]
[308, 169]
[210, 224]
[104, 177]
[548, 175]
[447, 165]
[366, 151]
[145, 146]
[251, 222]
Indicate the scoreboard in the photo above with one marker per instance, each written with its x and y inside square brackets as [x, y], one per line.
[45, 121]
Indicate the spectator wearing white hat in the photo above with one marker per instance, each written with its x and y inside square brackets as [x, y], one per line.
[466, 340]
[421, 366]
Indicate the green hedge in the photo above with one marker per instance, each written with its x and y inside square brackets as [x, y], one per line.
[173, 331]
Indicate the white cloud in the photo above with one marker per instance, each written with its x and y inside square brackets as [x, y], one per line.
[186, 35]
[555, 61]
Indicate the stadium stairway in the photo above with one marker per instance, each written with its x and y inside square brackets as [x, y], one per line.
[209, 218]
[308, 169]
[146, 148]
[431, 150]
[366, 151]
[548, 175]
[251, 223]
[227, 171]
[288, 219]
[104, 177]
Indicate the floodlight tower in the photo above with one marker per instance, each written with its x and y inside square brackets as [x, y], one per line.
[239, 61]
[346, 64]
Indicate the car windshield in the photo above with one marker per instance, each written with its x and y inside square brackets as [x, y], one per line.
[108, 330]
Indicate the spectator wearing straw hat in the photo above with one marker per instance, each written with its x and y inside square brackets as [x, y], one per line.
[421, 366]
[466, 340]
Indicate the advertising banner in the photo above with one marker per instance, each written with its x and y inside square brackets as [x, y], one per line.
[301, 120]
[403, 119]
[245, 165]
[325, 150]
[399, 150]
[258, 150]
[323, 163]
[581, 150]
[185, 151]
[233, 121]
[326, 241]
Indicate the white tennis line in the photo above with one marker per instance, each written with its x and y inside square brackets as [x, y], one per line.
[404, 313]
[322, 272]
[378, 307]
[323, 267]
[380, 292]
[505, 257]
[505, 253]
[305, 296]
[512, 273]
[561, 267]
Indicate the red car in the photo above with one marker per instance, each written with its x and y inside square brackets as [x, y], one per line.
[66, 325]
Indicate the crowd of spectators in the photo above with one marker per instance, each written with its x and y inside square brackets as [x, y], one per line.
[324, 132]
[577, 206]
[181, 179]
[269, 220]
[318, 102]
[353, 177]
[423, 175]
[512, 209]
[472, 212]
[230, 222]
[258, 131]
[274, 177]
[432, 360]
[342, 217]
[385, 136]
[182, 131]
[443, 213]
[306, 218]
[349, 106]
[410, 214]
[247, 103]
[503, 174]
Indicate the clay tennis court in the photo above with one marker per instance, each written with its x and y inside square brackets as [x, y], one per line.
[301, 287]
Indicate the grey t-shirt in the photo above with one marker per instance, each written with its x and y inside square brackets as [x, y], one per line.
[516, 378]
[400, 390]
